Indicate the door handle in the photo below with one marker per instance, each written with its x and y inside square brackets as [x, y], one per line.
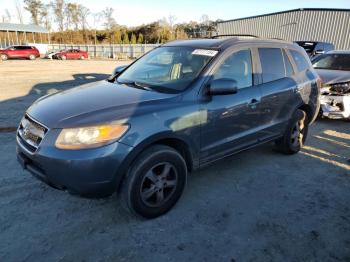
[253, 103]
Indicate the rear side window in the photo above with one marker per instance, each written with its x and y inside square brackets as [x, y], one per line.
[272, 64]
[237, 67]
[300, 60]
[288, 64]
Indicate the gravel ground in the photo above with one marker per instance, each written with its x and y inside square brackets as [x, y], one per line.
[258, 205]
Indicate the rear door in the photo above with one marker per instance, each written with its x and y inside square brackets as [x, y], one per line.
[277, 87]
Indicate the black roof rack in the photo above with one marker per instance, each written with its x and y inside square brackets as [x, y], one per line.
[243, 35]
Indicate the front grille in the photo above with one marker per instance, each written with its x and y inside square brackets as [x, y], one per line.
[31, 133]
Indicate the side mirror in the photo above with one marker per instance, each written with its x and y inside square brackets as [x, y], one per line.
[118, 70]
[222, 86]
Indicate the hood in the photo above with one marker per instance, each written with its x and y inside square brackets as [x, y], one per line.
[95, 103]
[330, 77]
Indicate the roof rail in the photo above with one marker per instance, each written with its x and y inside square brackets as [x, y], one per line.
[244, 35]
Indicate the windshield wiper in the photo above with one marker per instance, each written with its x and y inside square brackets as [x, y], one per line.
[137, 85]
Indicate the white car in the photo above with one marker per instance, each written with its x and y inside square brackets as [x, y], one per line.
[334, 70]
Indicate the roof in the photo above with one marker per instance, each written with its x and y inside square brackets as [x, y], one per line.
[289, 11]
[344, 52]
[200, 43]
[222, 43]
[22, 28]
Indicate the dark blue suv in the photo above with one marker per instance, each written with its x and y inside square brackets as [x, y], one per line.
[180, 107]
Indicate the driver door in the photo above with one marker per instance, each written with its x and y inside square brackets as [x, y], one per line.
[232, 120]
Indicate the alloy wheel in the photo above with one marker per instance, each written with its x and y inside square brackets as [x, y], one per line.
[159, 184]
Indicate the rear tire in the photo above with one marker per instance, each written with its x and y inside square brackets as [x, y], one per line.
[154, 182]
[82, 57]
[3, 57]
[295, 135]
[32, 57]
[63, 57]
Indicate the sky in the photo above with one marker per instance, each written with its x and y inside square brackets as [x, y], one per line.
[137, 12]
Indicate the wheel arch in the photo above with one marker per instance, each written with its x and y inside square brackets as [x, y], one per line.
[308, 110]
[186, 148]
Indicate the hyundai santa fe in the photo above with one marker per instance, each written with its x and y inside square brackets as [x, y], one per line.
[179, 107]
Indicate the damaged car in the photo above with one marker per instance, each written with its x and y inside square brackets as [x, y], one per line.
[334, 70]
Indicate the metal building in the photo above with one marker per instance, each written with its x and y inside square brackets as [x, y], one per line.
[309, 24]
[15, 34]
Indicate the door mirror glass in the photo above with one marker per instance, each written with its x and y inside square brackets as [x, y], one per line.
[222, 86]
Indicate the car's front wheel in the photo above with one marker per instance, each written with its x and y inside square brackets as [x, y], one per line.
[155, 182]
[3, 57]
[295, 135]
[82, 57]
[63, 57]
[32, 57]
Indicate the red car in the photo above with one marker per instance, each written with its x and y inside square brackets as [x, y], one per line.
[19, 51]
[71, 54]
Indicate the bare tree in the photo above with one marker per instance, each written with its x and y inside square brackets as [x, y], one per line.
[204, 19]
[45, 18]
[34, 7]
[84, 13]
[72, 15]
[8, 16]
[97, 19]
[58, 7]
[19, 11]
[109, 19]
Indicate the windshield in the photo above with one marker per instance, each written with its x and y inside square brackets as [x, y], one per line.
[332, 61]
[168, 69]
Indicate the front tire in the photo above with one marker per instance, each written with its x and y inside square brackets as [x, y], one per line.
[82, 57]
[154, 182]
[295, 135]
[63, 57]
[32, 57]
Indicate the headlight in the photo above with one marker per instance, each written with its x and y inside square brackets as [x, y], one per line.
[90, 136]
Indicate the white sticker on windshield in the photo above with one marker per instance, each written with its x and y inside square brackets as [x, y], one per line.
[204, 52]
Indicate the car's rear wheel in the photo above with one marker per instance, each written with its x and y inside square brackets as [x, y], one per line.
[3, 57]
[63, 57]
[82, 57]
[295, 134]
[32, 57]
[155, 182]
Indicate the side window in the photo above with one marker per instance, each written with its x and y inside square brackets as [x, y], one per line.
[237, 67]
[300, 60]
[287, 64]
[272, 64]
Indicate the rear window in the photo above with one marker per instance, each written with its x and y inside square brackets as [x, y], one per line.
[272, 64]
[300, 60]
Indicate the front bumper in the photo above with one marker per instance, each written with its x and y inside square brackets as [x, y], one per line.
[88, 172]
[335, 107]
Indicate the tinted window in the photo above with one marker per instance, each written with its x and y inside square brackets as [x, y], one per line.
[272, 64]
[332, 61]
[237, 67]
[288, 64]
[300, 60]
